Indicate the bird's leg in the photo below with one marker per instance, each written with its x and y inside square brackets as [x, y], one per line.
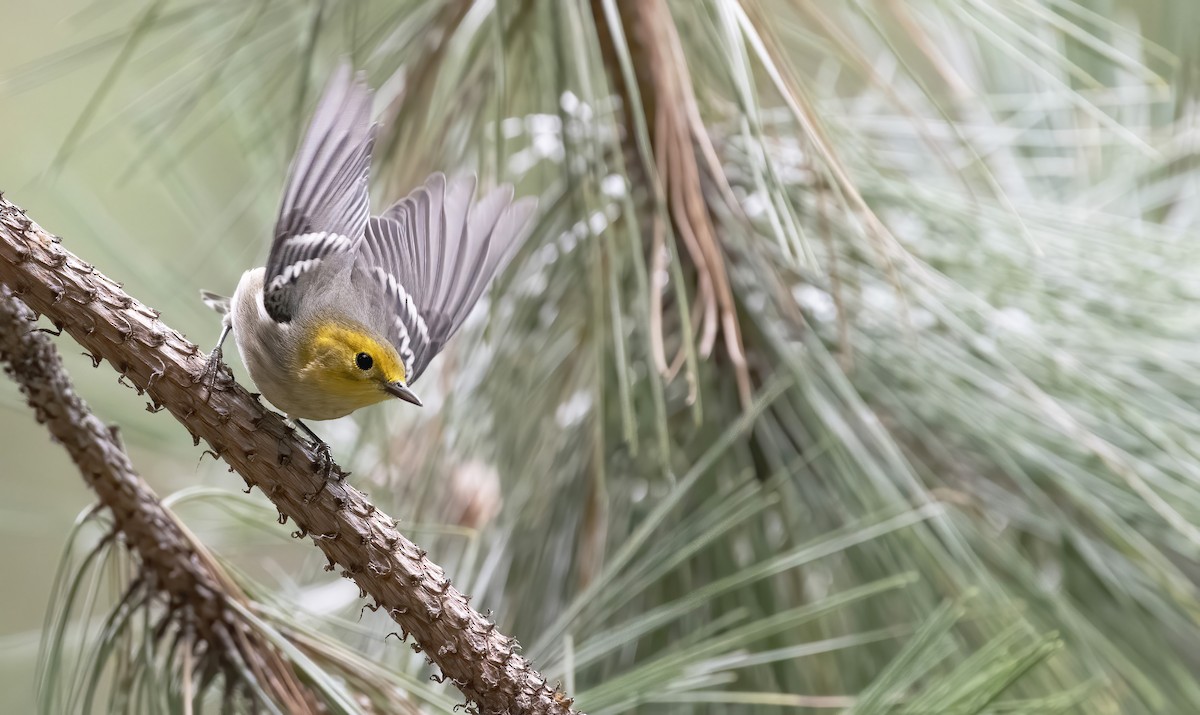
[212, 368]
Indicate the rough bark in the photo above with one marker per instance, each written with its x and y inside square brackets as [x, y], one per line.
[196, 592]
[256, 443]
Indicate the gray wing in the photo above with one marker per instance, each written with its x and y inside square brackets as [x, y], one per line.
[434, 253]
[325, 205]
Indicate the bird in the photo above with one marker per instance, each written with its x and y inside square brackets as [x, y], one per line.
[350, 308]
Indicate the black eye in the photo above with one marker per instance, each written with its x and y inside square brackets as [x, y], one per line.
[363, 361]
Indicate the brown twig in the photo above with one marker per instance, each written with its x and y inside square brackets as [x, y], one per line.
[196, 590]
[255, 442]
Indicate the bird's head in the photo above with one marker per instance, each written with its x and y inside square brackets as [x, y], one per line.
[354, 364]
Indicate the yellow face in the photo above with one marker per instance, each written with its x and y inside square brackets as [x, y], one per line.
[347, 361]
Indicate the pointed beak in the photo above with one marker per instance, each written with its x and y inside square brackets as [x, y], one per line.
[399, 389]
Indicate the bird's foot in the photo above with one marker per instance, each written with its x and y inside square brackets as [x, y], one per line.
[324, 459]
[323, 464]
[212, 372]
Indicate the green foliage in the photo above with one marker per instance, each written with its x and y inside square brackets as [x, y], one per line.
[958, 247]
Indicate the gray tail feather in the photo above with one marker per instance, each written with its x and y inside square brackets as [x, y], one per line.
[217, 302]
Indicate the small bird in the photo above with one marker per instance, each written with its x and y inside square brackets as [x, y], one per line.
[350, 308]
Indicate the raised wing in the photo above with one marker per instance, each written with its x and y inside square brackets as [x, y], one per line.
[435, 252]
[325, 205]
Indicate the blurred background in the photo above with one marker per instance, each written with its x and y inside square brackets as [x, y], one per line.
[852, 364]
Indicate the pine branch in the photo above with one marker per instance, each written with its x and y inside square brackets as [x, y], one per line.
[670, 155]
[256, 443]
[196, 590]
